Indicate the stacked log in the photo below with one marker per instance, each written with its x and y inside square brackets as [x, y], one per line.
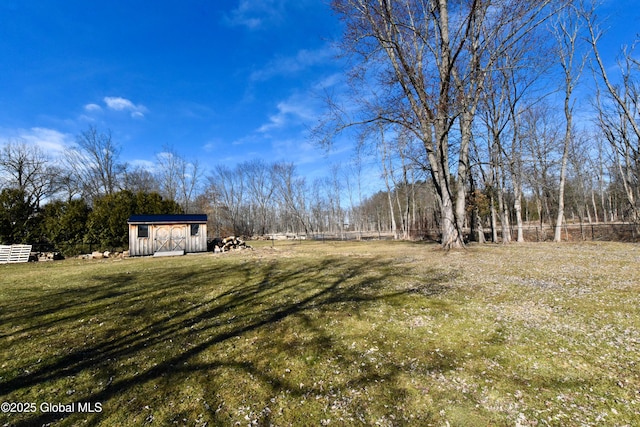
[45, 256]
[228, 244]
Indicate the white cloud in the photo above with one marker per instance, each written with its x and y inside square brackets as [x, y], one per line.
[147, 165]
[117, 103]
[333, 80]
[50, 141]
[303, 60]
[298, 151]
[256, 14]
[292, 111]
[92, 107]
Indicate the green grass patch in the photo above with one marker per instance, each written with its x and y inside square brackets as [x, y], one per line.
[311, 333]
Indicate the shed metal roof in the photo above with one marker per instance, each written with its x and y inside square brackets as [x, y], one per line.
[168, 219]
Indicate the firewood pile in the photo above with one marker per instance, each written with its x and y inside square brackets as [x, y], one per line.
[228, 244]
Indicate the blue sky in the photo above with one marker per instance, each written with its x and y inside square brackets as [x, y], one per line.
[222, 81]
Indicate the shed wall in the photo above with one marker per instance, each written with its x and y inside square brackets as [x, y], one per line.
[143, 246]
[139, 246]
[197, 243]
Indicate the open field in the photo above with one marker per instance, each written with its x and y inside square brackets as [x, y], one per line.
[311, 333]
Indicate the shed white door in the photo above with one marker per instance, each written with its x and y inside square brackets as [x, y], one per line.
[170, 238]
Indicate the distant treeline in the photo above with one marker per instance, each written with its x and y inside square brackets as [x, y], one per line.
[82, 200]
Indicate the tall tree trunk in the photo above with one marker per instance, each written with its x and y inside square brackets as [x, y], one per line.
[502, 206]
[450, 233]
[386, 172]
[494, 219]
[517, 205]
[593, 203]
[567, 30]
[563, 177]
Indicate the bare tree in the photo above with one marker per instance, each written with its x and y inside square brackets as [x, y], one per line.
[387, 173]
[189, 179]
[334, 190]
[230, 189]
[292, 192]
[141, 179]
[618, 108]
[497, 119]
[431, 58]
[507, 96]
[318, 206]
[539, 133]
[178, 177]
[94, 160]
[353, 180]
[566, 30]
[581, 174]
[167, 174]
[208, 202]
[261, 187]
[599, 166]
[25, 167]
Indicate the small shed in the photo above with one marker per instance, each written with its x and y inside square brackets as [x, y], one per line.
[160, 235]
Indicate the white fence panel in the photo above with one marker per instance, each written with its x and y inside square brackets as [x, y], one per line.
[5, 253]
[14, 253]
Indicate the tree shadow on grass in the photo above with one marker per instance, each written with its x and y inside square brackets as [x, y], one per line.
[125, 333]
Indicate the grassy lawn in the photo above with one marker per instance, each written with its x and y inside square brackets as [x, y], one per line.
[307, 334]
